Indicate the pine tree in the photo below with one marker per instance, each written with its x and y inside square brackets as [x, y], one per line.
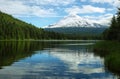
[113, 33]
[118, 24]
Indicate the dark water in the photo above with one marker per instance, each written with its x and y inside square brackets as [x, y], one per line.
[51, 60]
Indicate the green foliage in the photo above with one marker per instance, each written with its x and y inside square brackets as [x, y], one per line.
[12, 28]
[110, 50]
[79, 32]
[112, 62]
[113, 33]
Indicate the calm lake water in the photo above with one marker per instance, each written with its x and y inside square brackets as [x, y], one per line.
[51, 60]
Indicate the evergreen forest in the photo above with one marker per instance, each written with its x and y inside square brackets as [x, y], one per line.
[14, 29]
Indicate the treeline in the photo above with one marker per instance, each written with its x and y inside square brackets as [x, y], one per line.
[113, 33]
[82, 36]
[12, 28]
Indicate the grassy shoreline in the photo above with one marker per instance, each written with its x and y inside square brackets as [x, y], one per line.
[110, 50]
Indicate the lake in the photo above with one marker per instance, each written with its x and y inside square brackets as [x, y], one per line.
[51, 60]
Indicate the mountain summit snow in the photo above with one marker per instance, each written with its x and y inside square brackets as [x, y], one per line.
[74, 24]
[75, 21]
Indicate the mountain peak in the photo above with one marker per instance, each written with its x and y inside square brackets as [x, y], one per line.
[73, 16]
[74, 20]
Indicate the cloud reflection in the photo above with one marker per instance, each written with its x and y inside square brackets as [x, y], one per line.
[55, 63]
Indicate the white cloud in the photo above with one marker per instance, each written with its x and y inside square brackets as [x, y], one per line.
[105, 19]
[40, 12]
[19, 8]
[115, 3]
[51, 2]
[102, 1]
[85, 9]
[102, 19]
[50, 8]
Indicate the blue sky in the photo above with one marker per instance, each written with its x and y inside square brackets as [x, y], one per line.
[44, 12]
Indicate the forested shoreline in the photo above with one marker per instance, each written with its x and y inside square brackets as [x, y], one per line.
[110, 47]
[14, 29]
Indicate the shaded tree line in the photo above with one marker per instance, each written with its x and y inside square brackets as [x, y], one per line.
[12, 28]
[113, 33]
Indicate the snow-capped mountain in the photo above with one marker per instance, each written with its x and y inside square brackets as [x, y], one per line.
[76, 24]
[75, 21]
